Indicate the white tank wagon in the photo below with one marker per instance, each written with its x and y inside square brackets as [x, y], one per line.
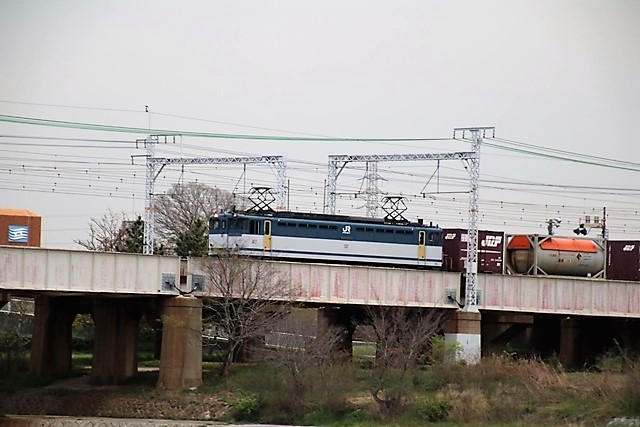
[553, 255]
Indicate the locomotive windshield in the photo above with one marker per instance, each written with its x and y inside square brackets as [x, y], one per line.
[239, 224]
[214, 225]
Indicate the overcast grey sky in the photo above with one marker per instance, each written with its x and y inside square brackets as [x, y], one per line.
[554, 74]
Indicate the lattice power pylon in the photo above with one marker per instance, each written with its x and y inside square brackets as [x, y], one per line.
[372, 190]
[277, 163]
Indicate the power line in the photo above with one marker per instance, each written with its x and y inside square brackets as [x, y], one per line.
[156, 114]
[567, 153]
[574, 158]
[78, 107]
[134, 130]
[182, 117]
[54, 138]
[235, 124]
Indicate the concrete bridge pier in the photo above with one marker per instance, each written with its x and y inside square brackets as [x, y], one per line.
[463, 330]
[4, 298]
[630, 334]
[115, 343]
[335, 326]
[251, 350]
[51, 339]
[569, 329]
[181, 353]
[501, 332]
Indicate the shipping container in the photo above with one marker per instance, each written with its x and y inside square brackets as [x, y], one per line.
[19, 227]
[554, 255]
[623, 260]
[490, 250]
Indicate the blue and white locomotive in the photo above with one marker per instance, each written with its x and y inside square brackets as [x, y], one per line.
[327, 238]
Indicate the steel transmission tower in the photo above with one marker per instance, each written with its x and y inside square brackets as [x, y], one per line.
[372, 190]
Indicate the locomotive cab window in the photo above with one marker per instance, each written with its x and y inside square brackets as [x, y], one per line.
[254, 227]
[421, 238]
[433, 238]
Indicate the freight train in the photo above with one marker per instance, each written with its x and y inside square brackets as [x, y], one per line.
[346, 239]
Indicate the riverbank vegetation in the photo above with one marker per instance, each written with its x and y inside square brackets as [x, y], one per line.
[501, 390]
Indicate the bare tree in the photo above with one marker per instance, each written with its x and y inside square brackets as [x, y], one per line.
[185, 204]
[402, 337]
[309, 373]
[113, 232]
[298, 350]
[106, 234]
[243, 299]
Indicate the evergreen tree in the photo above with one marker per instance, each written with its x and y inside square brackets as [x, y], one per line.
[193, 241]
[133, 238]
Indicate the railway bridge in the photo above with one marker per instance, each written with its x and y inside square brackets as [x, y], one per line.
[571, 316]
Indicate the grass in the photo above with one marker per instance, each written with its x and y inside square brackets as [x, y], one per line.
[498, 391]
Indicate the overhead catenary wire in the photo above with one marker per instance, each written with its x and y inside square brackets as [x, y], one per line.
[497, 211]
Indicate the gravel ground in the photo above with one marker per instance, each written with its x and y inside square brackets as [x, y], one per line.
[76, 398]
[58, 421]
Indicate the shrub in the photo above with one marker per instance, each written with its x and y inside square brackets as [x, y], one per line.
[632, 386]
[245, 407]
[442, 350]
[611, 361]
[435, 409]
[469, 406]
